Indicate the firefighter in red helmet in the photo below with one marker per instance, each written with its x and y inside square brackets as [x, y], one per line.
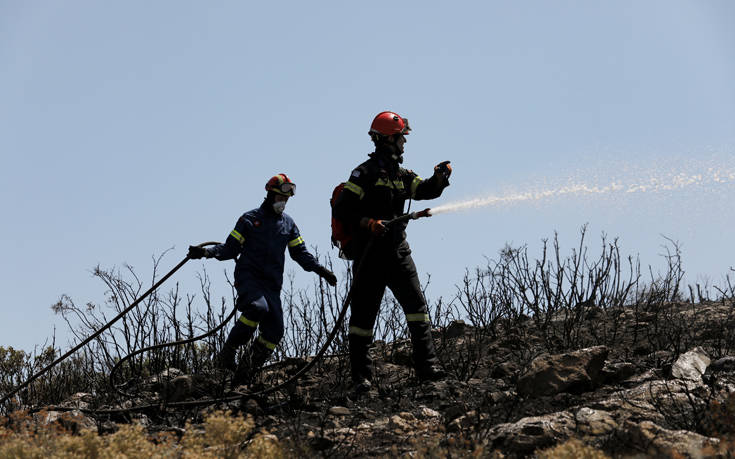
[377, 191]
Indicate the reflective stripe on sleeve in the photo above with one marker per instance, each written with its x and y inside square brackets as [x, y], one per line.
[266, 343]
[419, 317]
[248, 322]
[360, 331]
[299, 240]
[415, 184]
[238, 236]
[355, 189]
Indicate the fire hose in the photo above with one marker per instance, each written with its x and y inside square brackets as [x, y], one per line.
[306, 367]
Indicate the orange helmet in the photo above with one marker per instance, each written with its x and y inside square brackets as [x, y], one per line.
[389, 123]
[281, 184]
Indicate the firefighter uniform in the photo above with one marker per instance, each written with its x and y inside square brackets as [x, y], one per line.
[259, 242]
[378, 189]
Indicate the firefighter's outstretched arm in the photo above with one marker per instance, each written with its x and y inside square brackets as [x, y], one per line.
[226, 251]
[433, 186]
[298, 251]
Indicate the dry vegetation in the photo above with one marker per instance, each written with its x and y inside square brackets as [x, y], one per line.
[221, 435]
[501, 318]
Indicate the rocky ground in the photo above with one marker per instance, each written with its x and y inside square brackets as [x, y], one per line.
[645, 382]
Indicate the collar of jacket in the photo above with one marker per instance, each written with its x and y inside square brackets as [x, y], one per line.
[385, 161]
[267, 208]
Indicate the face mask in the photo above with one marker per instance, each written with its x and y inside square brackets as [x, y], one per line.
[279, 206]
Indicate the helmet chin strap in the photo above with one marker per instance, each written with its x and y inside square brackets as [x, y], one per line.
[389, 151]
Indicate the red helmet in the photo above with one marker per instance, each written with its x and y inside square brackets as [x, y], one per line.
[389, 123]
[281, 184]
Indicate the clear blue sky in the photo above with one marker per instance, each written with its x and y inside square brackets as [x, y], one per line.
[130, 127]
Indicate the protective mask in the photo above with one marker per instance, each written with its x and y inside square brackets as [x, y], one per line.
[279, 207]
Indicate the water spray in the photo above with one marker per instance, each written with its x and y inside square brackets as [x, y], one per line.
[653, 184]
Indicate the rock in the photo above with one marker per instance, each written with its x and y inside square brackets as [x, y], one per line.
[454, 411]
[425, 412]
[595, 422]
[615, 372]
[656, 441]
[73, 421]
[455, 329]
[691, 365]
[574, 372]
[726, 363]
[407, 416]
[467, 421]
[594, 312]
[80, 400]
[141, 420]
[166, 375]
[504, 370]
[642, 349]
[107, 427]
[401, 354]
[178, 389]
[398, 423]
[648, 375]
[320, 443]
[339, 411]
[531, 433]
[251, 406]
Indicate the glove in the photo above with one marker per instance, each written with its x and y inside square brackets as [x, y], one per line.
[443, 168]
[376, 227]
[327, 275]
[196, 252]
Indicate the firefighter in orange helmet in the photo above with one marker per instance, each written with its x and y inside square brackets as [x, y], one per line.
[259, 241]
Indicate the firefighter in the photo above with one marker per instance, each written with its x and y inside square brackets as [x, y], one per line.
[376, 191]
[259, 242]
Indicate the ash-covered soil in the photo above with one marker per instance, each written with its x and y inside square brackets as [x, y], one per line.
[647, 380]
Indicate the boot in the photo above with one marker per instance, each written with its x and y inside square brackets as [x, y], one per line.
[239, 335]
[361, 364]
[251, 363]
[425, 361]
[226, 358]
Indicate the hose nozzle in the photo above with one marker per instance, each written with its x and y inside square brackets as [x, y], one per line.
[411, 216]
[421, 213]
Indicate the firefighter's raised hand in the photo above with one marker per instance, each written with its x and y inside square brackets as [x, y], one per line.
[196, 252]
[327, 275]
[443, 168]
[376, 227]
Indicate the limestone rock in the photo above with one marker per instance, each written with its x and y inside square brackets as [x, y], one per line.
[691, 365]
[531, 433]
[656, 441]
[574, 372]
[595, 422]
[726, 363]
[339, 411]
[425, 412]
[616, 372]
[73, 421]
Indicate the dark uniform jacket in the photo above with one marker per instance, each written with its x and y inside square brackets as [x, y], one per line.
[379, 188]
[260, 239]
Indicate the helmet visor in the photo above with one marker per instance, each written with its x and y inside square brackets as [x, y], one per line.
[285, 188]
[406, 127]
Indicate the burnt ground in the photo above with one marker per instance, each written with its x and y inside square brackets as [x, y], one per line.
[648, 380]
